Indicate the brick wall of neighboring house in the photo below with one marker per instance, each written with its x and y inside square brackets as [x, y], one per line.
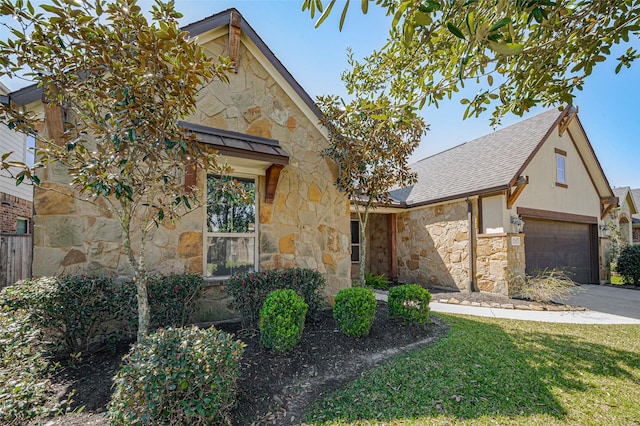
[12, 208]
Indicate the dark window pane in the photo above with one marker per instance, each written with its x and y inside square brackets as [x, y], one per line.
[355, 253]
[230, 208]
[355, 232]
[228, 255]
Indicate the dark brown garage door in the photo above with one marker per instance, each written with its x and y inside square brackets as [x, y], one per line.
[553, 244]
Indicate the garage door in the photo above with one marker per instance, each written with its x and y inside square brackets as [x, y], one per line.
[553, 244]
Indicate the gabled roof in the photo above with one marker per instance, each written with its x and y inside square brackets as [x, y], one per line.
[624, 193]
[492, 162]
[33, 93]
[635, 193]
[487, 164]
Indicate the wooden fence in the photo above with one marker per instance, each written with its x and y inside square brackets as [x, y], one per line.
[15, 258]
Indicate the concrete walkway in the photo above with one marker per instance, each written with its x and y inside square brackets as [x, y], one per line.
[568, 317]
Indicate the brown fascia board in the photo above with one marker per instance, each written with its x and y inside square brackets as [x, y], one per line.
[586, 138]
[486, 191]
[537, 148]
[32, 93]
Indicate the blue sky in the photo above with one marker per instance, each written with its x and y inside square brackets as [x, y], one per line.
[316, 58]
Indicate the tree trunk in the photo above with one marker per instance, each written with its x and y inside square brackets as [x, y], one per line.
[140, 274]
[362, 220]
[143, 306]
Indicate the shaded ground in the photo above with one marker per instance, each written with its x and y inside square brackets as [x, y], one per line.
[274, 388]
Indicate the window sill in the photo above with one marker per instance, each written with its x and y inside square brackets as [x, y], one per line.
[562, 185]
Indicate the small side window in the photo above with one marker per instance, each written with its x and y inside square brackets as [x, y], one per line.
[561, 176]
[355, 241]
[22, 226]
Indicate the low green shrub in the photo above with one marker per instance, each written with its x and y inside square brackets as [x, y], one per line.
[355, 310]
[181, 376]
[172, 298]
[249, 290]
[628, 265]
[24, 387]
[409, 302]
[84, 314]
[282, 320]
[77, 313]
[378, 282]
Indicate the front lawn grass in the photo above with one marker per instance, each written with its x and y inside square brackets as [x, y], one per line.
[498, 371]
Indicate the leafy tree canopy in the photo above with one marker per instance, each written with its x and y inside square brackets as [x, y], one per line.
[120, 83]
[522, 53]
[371, 148]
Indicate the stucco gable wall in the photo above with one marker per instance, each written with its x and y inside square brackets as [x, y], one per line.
[580, 197]
[307, 225]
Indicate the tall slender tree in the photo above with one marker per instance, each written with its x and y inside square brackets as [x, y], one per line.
[123, 82]
[370, 149]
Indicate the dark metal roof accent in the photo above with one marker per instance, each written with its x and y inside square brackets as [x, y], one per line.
[4, 100]
[26, 95]
[32, 93]
[235, 144]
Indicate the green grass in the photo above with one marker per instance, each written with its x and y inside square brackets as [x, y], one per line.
[497, 371]
[616, 279]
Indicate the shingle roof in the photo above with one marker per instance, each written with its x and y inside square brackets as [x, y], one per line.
[488, 163]
[621, 192]
[635, 193]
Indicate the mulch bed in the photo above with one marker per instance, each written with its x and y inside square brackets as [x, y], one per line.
[274, 388]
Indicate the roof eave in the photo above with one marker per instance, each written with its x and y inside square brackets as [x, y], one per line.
[480, 192]
[33, 93]
[524, 165]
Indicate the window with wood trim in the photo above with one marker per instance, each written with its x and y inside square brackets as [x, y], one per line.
[490, 215]
[561, 175]
[355, 241]
[231, 228]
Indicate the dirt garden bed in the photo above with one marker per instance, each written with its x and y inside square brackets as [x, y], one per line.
[276, 388]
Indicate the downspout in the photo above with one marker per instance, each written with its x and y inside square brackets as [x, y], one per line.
[471, 254]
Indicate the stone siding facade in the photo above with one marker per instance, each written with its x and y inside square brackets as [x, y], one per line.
[499, 259]
[433, 246]
[12, 208]
[307, 225]
[378, 244]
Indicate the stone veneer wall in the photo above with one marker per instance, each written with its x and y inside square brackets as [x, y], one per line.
[498, 261]
[433, 246]
[378, 248]
[307, 225]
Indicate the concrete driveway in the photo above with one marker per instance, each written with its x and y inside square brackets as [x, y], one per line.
[608, 299]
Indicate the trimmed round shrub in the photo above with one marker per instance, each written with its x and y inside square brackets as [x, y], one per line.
[177, 376]
[282, 320]
[355, 310]
[249, 290]
[410, 303]
[628, 265]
